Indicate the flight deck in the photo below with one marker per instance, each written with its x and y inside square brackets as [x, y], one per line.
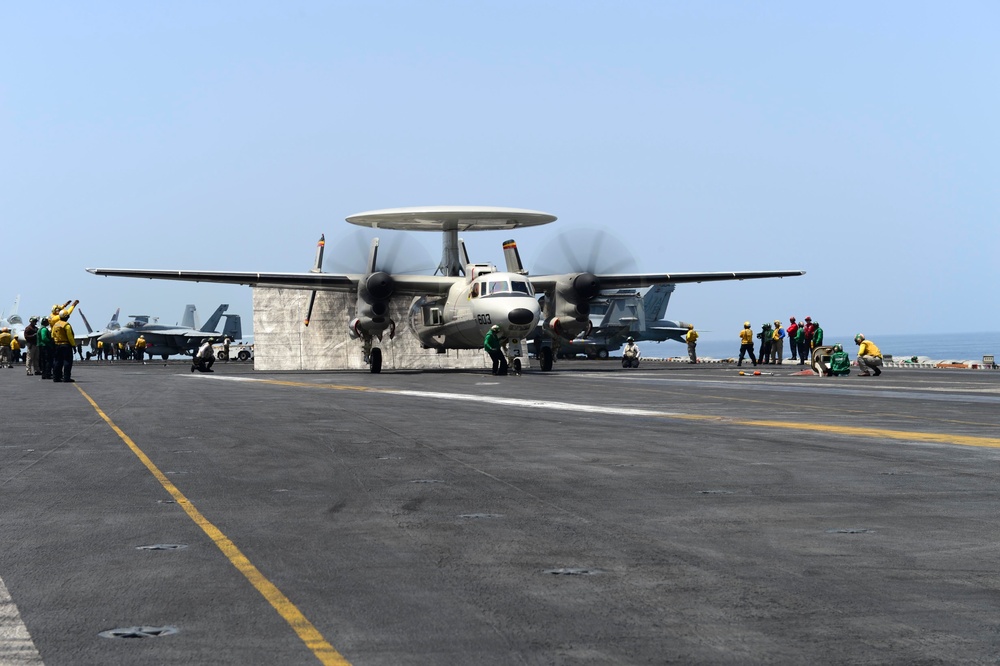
[589, 515]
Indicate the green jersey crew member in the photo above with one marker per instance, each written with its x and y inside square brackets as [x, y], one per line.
[492, 346]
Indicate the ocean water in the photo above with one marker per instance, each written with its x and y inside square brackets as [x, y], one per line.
[938, 346]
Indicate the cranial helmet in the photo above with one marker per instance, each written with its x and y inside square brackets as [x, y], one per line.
[495, 327]
[859, 338]
[838, 347]
[746, 324]
[64, 314]
[630, 339]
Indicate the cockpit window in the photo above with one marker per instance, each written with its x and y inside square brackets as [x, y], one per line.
[521, 287]
[504, 287]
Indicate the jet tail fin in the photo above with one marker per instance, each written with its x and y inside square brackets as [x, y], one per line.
[213, 321]
[113, 325]
[654, 303]
[233, 328]
[13, 318]
[188, 319]
[85, 322]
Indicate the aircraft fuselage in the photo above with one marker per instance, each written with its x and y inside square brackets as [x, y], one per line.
[461, 319]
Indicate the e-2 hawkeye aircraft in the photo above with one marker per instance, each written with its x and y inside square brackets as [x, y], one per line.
[455, 309]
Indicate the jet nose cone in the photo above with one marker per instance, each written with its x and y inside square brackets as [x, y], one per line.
[520, 316]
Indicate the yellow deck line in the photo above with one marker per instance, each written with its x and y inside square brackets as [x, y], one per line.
[851, 431]
[309, 635]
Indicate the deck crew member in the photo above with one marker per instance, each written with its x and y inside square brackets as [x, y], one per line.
[64, 341]
[491, 343]
[31, 347]
[869, 356]
[691, 337]
[746, 344]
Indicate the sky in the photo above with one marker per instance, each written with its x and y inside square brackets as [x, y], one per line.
[856, 141]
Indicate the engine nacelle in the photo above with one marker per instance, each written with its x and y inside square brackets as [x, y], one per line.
[567, 313]
[366, 327]
[372, 309]
[377, 286]
[557, 327]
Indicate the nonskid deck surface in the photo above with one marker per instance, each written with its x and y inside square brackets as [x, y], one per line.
[672, 513]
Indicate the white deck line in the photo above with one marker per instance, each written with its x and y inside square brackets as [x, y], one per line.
[16, 646]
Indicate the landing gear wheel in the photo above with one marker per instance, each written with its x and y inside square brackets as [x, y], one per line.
[546, 360]
[515, 366]
[375, 360]
[602, 353]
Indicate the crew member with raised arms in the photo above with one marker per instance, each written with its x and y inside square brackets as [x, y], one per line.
[64, 341]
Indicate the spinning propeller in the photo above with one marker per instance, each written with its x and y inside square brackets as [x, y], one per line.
[577, 260]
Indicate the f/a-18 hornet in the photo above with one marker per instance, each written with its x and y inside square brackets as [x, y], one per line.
[454, 309]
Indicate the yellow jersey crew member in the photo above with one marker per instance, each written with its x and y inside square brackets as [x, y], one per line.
[691, 337]
[5, 338]
[746, 344]
[869, 356]
[62, 338]
[140, 349]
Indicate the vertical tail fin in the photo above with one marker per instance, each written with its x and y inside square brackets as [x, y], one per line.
[512, 257]
[86, 323]
[233, 328]
[213, 321]
[654, 303]
[187, 319]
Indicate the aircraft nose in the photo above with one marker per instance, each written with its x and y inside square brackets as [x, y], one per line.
[520, 316]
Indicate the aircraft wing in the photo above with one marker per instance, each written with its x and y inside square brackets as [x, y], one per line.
[640, 280]
[404, 284]
[177, 333]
